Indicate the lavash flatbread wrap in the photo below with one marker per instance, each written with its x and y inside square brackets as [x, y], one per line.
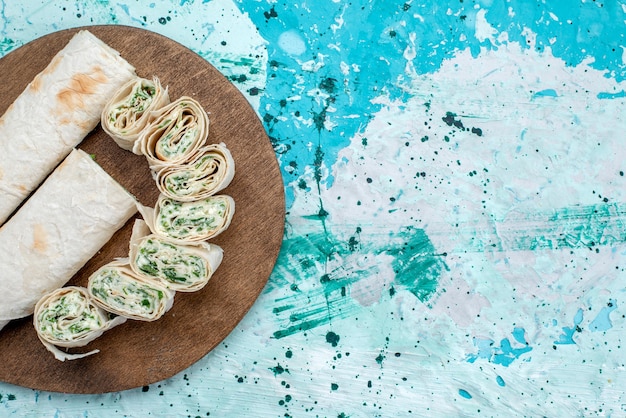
[180, 267]
[131, 109]
[67, 317]
[207, 172]
[59, 107]
[189, 222]
[117, 289]
[58, 229]
[177, 131]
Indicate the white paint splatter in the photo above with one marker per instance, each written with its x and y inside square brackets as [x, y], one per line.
[345, 68]
[292, 43]
[339, 20]
[313, 65]
[409, 54]
[484, 31]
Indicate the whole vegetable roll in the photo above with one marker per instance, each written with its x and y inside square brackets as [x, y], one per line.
[176, 133]
[117, 289]
[180, 267]
[209, 171]
[189, 222]
[130, 110]
[54, 113]
[63, 224]
[66, 317]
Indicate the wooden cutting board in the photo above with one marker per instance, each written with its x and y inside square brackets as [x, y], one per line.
[136, 353]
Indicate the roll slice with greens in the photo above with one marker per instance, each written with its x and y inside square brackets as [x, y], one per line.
[176, 133]
[66, 317]
[131, 109]
[189, 222]
[180, 267]
[206, 173]
[116, 288]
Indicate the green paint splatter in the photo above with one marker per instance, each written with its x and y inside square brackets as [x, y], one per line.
[302, 327]
[329, 85]
[380, 358]
[280, 309]
[318, 162]
[319, 120]
[573, 227]
[278, 369]
[6, 46]
[332, 339]
[239, 61]
[416, 265]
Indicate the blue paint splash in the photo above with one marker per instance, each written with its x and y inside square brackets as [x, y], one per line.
[573, 31]
[324, 94]
[605, 95]
[545, 93]
[465, 394]
[505, 353]
[309, 100]
[602, 321]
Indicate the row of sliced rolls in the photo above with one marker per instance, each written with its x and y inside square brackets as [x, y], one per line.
[140, 287]
[169, 250]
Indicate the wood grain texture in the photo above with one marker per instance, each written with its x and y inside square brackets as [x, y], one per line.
[136, 353]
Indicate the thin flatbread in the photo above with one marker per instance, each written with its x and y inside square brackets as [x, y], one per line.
[55, 112]
[60, 227]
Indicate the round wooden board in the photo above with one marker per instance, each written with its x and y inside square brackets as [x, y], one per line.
[137, 353]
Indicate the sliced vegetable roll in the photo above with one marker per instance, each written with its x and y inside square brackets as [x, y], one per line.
[189, 222]
[176, 133]
[209, 171]
[130, 110]
[117, 289]
[180, 267]
[66, 317]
